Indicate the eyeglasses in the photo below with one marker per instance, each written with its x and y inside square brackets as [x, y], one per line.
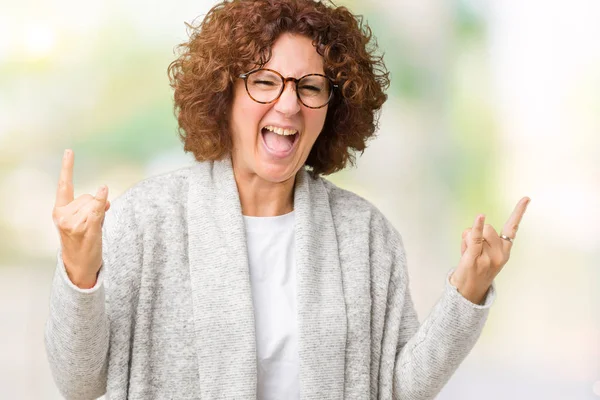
[265, 86]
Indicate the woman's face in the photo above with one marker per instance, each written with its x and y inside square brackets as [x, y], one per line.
[258, 150]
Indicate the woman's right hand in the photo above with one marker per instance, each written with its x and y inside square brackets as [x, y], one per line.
[79, 222]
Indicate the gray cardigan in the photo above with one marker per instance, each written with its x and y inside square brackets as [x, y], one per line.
[171, 314]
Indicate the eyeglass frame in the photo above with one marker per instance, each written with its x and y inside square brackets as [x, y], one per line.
[285, 81]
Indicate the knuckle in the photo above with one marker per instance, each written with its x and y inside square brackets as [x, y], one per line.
[497, 259]
[64, 225]
[486, 260]
[63, 184]
[78, 229]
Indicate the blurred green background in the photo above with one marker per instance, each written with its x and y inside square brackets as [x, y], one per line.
[489, 102]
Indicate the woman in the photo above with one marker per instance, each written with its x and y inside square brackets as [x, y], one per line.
[247, 275]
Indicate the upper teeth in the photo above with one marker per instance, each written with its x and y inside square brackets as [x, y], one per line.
[281, 131]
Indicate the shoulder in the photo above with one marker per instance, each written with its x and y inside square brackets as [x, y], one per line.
[352, 212]
[341, 197]
[149, 199]
[364, 231]
[159, 190]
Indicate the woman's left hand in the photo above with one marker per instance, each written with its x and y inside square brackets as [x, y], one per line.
[484, 253]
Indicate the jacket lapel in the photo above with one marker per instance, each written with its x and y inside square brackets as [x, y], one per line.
[222, 299]
[321, 305]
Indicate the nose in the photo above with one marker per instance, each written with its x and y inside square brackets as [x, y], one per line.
[288, 103]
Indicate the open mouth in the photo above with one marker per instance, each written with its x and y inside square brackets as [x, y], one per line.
[278, 140]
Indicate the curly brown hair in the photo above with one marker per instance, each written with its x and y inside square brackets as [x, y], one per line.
[237, 35]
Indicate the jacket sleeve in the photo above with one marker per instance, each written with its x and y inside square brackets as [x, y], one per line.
[77, 330]
[429, 354]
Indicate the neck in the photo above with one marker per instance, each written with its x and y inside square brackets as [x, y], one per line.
[260, 198]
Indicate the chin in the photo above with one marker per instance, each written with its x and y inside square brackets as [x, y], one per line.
[276, 173]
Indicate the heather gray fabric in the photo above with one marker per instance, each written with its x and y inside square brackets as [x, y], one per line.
[171, 314]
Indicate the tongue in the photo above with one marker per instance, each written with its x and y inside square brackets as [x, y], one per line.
[278, 142]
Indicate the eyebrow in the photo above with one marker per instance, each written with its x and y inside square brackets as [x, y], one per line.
[297, 76]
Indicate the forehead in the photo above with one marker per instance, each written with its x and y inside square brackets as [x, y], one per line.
[295, 55]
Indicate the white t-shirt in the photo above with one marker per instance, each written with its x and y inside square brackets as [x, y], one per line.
[273, 279]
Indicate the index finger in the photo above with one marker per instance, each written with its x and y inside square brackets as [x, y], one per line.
[64, 192]
[512, 225]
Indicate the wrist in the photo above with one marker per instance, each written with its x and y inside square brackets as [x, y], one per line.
[471, 292]
[475, 297]
[82, 281]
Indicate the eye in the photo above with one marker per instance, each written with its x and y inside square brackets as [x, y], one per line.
[265, 83]
[311, 88]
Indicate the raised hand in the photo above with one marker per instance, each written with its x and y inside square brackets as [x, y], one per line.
[79, 222]
[484, 253]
